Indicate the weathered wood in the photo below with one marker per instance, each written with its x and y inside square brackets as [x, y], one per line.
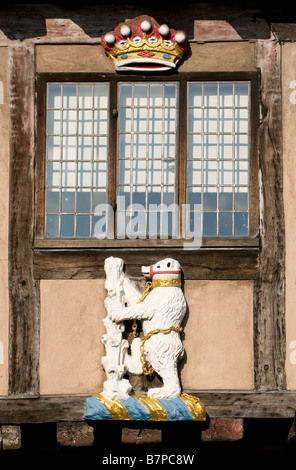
[113, 114]
[292, 431]
[11, 437]
[41, 410]
[77, 434]
[182, 151]
[284, 31]
[196, 264]
[254, 160]
[40, 158]
[23, 289]
[86, 24]
[208, 30]
[269, 291]
[226, 242]
[234, 404]
[219, 404]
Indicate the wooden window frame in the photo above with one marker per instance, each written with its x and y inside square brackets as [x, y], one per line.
[42, 79]
[216, 258]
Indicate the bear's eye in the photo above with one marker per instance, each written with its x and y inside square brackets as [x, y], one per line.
[158, 267]
[168, 265]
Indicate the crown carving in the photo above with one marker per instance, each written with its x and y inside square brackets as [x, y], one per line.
[142, 45]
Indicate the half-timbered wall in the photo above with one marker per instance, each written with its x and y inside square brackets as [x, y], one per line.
[239, 336]
[218, 310]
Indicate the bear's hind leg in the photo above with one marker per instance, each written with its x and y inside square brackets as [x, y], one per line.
[171, 386]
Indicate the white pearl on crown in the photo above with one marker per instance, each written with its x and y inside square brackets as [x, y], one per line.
[146, 26]
[180, 37]
[164, 29]
[110, 38]
[125, 30]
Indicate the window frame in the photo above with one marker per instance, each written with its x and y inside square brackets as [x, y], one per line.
[252, 240]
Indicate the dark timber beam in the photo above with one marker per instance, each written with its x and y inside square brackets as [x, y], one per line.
[198, 264]
[219, 404]
[23, 289]
[269, 290]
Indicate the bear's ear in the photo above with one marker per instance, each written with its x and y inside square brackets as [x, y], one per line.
[169, 264]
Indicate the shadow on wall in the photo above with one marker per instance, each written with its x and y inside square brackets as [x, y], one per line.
[57, 20]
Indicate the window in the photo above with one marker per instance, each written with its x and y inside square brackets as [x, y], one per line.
[147, 159]
[218, 156]
[76, 158]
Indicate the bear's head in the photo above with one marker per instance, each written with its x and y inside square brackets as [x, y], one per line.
[166, 268]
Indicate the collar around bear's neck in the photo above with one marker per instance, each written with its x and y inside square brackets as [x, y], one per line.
[168, 282]
[165, 281]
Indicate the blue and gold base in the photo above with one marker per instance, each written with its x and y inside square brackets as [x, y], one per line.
[142, 408]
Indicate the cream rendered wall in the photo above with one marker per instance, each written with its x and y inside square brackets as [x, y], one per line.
[219, 335]
[69, 58]
[71, 329]
[4, 199]
[289, 158]
[91, 58]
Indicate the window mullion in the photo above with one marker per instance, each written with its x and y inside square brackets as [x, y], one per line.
[113, 110]
[182, 147]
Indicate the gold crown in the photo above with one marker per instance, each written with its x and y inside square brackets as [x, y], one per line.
[141, 44]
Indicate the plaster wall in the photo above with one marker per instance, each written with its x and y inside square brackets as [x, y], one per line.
[218, 336]
[71, 329]
[4, 200]
[72, 58]
[232, 56]
[289, 178]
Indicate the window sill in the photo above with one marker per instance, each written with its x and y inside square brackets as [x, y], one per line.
[207, 242]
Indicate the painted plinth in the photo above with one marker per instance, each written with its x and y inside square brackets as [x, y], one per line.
[143, 408]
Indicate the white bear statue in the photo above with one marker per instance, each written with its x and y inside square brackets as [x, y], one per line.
[161, 311]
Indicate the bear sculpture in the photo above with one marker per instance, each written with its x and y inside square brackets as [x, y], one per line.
[161, 311]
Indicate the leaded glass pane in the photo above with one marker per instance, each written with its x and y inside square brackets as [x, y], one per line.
[218, 165]
[77, 158]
